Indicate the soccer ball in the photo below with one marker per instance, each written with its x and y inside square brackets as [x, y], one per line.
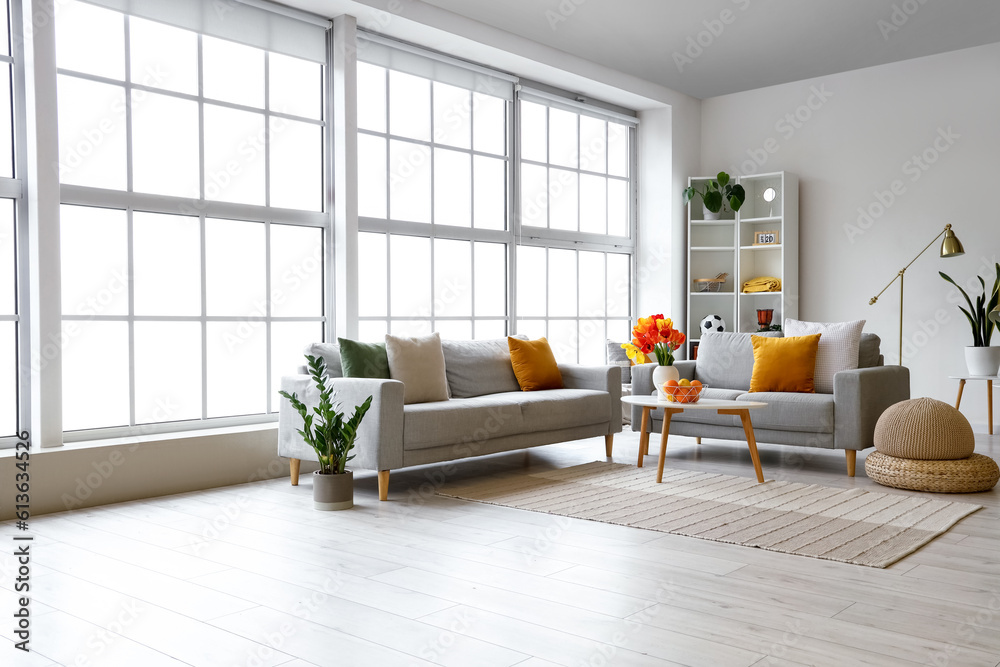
[713, 323]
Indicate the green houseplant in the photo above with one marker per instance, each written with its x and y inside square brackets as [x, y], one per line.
[332, 437]
[980, 357]
[717, 194]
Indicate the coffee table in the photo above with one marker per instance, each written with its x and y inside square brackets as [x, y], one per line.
[649, 403]
[990, 379]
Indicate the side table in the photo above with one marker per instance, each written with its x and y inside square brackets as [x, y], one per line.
[990, 379]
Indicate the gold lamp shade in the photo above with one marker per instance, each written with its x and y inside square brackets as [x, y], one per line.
[951, 246]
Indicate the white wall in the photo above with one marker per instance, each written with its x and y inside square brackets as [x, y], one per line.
[87, 475]
[669, 151]
[928, 128]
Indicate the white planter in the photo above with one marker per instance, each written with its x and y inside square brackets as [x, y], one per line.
[708, 215]
[661, 374]
[982, 360]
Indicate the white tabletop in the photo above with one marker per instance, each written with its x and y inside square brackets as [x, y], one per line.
[995, 378]
[703, 404]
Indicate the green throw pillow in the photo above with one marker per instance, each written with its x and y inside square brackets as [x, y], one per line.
[363, 360]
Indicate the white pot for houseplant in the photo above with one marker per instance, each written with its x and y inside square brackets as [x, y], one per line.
[982, 360]
[980, 357]
[332, 437]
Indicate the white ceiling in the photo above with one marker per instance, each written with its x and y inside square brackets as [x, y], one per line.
[765, 42]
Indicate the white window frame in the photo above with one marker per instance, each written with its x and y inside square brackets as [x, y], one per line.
[13, 188]
[203, 209]
[433, 230]
[547, 238]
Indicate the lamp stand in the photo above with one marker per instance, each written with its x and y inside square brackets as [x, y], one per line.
[949, 248]
[902, 275]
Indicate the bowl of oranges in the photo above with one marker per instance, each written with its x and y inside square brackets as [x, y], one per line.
[683, 391]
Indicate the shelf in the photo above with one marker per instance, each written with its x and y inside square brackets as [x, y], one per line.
[760, 293]
[759, 247]
[712, 293]
[757, 221]
[713, 249]
[712, 223]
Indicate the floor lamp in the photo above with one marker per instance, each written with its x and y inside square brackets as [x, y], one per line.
[950, 247]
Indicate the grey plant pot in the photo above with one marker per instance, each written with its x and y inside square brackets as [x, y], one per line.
[333, 492]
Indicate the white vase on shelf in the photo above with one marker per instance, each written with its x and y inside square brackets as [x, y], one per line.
[663, 374]
[980, 360]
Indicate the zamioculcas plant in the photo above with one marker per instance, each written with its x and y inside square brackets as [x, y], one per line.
[982, 325]
[325, 429]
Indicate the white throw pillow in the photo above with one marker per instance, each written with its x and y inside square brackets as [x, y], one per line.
[419, 364]
[839, 343]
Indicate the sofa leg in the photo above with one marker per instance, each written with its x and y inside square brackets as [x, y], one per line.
[294, 466]
[609, 441]
[697, 441]
[852, 457]
[383, 485]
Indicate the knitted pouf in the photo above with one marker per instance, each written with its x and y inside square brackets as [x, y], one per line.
[924, 429]
[969, 475]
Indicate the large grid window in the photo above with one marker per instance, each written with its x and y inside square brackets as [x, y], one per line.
[578, 299]
[575, 171]
[12, 390]
[433, 199]
[575, 242]
[193, 224]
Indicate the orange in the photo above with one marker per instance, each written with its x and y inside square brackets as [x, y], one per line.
[670, 383]
[696, 383]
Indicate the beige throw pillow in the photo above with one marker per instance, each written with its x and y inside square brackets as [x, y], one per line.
[418, 363]
[838, 347]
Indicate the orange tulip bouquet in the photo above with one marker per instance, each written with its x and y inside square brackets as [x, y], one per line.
[656, 335]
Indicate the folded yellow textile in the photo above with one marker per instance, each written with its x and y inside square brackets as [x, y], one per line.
[762, 284]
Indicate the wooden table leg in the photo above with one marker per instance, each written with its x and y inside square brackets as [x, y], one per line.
[664, 433]
[643, 435]
[989, 404]
[744, 416]
[958, 401]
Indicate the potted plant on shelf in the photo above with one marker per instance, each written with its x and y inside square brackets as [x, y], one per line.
[980, 357]
[717, 194]
[326, 431]
[656, 335]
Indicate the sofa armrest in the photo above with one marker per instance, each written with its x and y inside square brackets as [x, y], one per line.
[642, 384]
[860, 397]
[598, 378]
[379, 445]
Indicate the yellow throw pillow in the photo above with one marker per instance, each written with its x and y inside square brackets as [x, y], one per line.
[784, 364]
[534, 365]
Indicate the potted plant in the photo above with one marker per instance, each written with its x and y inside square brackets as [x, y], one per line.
[656, 334]
[326, 431]
[717, 194]
[980, 357]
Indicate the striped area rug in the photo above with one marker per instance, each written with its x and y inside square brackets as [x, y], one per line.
[846, 525]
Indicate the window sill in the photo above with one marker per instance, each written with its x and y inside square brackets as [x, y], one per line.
[138, 440]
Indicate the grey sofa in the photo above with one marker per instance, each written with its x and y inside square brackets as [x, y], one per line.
[487, 413]
[843, 420]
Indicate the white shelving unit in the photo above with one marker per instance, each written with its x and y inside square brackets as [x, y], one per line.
[727, 245]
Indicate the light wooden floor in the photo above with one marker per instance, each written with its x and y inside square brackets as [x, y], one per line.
[252, 576]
